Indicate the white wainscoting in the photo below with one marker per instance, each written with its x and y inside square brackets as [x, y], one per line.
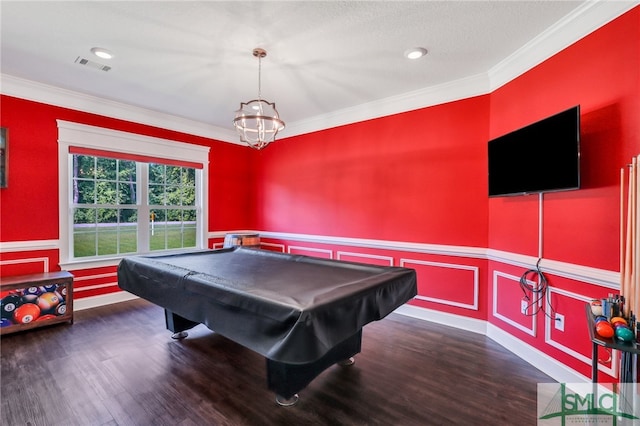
[532, 329]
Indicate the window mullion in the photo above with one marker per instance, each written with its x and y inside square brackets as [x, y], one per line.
[142, 172]
[200, 219]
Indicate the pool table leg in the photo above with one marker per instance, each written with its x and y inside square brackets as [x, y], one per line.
[347, 362]
[286, 380]
[178, 324]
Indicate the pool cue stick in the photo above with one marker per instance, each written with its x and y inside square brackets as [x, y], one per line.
[627, 257]
[623, 282]
[629, 231]
[636, 288]
[634, 232]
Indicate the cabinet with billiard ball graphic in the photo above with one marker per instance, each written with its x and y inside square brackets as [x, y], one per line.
[31, 301]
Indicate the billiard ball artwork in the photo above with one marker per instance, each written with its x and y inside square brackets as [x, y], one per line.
[49, 287]
[48, 301]
[9, 304]
[61, 291]
[35, 303]
[26, 313]
[46, 317]
[61, 309]
[35, 300]
[31, 294]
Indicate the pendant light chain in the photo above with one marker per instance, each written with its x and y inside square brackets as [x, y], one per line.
[259, 77]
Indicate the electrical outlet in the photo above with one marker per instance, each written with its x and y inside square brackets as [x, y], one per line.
[523, 307]
[559, 322]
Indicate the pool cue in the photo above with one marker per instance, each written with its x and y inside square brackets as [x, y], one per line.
[623, 282]
[635, 287]
[630, 233]
[634, 232]
[627, 270]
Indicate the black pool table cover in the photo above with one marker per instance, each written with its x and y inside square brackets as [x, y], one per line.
[289, 308]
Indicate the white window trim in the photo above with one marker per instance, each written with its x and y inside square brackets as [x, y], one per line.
[85, 136]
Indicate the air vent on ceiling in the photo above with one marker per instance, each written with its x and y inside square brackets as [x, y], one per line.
[91, 64]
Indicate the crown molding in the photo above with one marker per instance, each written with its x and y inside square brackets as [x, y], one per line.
[581, 22]
[587, 18]
[434, 95]
[44, 93]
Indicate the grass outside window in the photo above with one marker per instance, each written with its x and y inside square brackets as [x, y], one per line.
[107, 240]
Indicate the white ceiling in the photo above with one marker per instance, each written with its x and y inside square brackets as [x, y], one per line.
[193, 59]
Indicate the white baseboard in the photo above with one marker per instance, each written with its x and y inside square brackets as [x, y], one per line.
[451, 320]
[543, 362]
[106, 299]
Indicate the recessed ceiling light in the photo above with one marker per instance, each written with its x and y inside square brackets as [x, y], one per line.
[415, 53]
[101, 53]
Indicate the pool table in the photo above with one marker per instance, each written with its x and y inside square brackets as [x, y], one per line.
[303, 314]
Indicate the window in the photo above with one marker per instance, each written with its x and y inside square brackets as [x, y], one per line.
[172, 200]
[105, 212]
[122, 202]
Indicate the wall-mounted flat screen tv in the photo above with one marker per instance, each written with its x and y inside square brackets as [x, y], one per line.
[541, 157]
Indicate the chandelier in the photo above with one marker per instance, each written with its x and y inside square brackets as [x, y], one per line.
[257, 121]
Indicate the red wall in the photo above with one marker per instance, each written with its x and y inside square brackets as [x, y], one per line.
[419, 176]
[600, 73]
[415, 177]
[29, 206]
[33, 170]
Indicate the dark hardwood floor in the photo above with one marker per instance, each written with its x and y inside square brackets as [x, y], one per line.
[117, 365]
